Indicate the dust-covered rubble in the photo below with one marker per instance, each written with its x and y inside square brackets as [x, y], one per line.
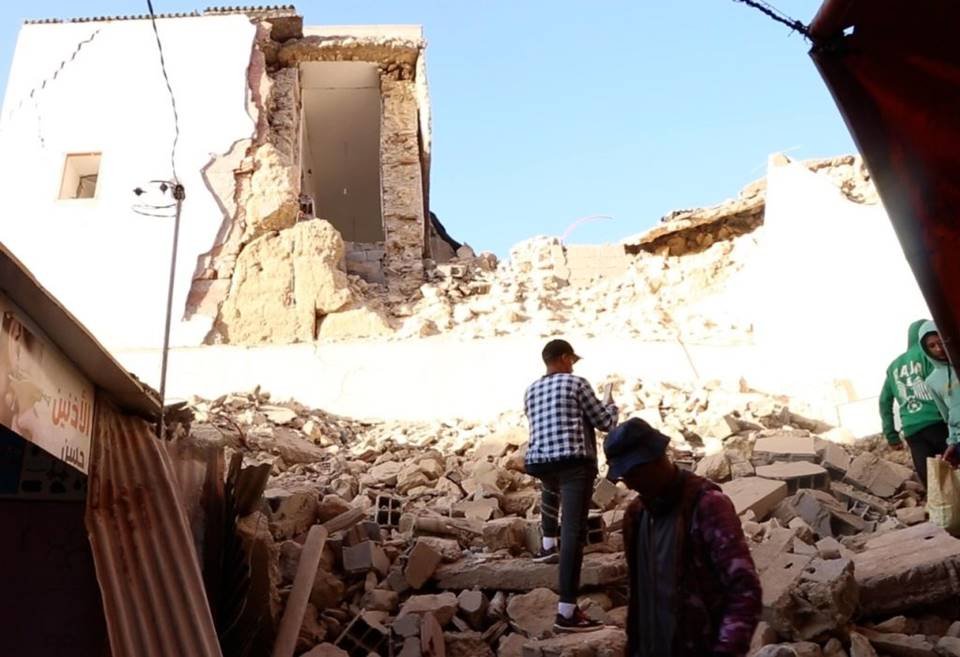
[432, 526]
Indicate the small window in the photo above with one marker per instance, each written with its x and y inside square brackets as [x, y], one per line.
[80, 173]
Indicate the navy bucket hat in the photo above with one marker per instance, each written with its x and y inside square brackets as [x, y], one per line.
[631, 444]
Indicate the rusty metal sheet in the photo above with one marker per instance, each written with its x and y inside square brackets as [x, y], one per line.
[153, 595]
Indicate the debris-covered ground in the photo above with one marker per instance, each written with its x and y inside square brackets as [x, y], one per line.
[431, 528]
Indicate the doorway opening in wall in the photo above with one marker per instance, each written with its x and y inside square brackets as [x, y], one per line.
[80, 174]
[340, 156]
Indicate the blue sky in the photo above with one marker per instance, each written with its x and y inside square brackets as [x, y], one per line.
[546, 111]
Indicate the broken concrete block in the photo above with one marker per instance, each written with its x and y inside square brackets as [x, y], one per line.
[406, 626]
[829, 548]
[788, 446]
[364, 635]
[778, 541]
[907, 568]
[602, 643]
[388, 509]
[362, 531]
[289, 560]
[777, 582]
[599, 570]
[949, 646]
[533, 613]
[605, 494]
[912, 515]
[330, 507]
[411, 647]
[365, 557]
[740, 469]
[422, 563]
[852, 496]
[715, 467]
[836, 460]
[506, 534]
[878, 476]
[431, 636]
[380, 600]
[473, 608]
[803, 531]
[290, 513]
[466, 644]
[443, 606]
[900, 645]
[797, 474]
[823, 601]
[860, 646]
[483, 509]
[448, 548]
[755, 494]
[511, 645]
[328, 590]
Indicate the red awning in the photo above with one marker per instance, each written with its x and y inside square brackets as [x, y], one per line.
[893, 67]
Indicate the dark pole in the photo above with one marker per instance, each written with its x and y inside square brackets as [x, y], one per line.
[179, 194]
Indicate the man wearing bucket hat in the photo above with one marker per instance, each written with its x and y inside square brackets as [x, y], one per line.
[564, 415]
[694, 589]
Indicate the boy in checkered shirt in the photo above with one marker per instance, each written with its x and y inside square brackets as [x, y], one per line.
[564, 415]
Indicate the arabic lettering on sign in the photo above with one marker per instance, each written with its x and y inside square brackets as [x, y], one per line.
[43, 397]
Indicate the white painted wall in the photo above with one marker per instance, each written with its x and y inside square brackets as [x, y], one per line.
[108, 265]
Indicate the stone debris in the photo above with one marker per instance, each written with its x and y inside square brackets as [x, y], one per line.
[432, 527]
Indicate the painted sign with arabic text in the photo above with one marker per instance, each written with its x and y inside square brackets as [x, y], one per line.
[43, 397]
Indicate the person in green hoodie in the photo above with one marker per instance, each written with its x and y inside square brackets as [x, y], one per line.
[944, 386]
[922, 425]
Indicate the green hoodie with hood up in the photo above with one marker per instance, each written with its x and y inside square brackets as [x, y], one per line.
[905, 385]
[945, 388]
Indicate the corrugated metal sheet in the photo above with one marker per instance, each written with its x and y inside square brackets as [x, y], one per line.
[147, 567]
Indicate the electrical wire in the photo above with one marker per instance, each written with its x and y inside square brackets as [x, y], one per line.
[173, 99]
[775, 14]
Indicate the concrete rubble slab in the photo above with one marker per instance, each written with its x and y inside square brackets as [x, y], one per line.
[876, 475]
[836, 460]
[608, 641]
[907, 568]
[525, 574]
[797, 474]
[755, 494]
[422, 563]
[790, 446]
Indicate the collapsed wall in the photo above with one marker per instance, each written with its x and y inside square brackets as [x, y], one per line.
[262, 187]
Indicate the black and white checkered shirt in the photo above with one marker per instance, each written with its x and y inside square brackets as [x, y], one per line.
[564, 413]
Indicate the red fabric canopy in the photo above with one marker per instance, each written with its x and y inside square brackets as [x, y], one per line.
[893, 67]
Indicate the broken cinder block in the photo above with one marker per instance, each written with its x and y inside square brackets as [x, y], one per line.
[797, 475]
[788, 446]
[362, 637]
[422, 563]
[389, 510]
[876, 475]
[365, 557]
[755, 494]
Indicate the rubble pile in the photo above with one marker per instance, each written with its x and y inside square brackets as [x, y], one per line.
[658, 286]
[534, 291]
[429, 529]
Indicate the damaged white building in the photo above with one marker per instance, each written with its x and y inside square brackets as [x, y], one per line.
[279, 124]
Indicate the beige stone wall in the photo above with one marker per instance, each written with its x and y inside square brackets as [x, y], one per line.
[595, 262]
[402, 184]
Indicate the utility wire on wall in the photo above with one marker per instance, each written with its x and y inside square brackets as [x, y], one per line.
[175, 189]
